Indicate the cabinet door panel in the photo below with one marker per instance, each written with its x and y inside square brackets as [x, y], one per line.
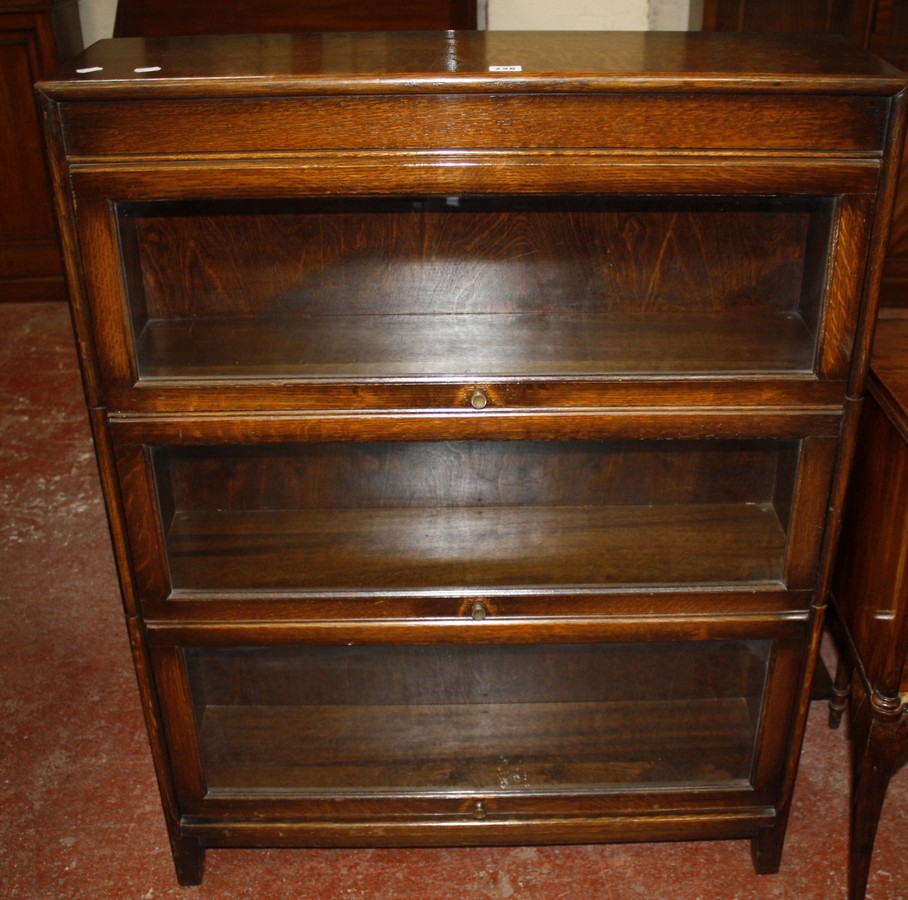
[475, 287]
[460, 519]
[440, 293]
[467, 720]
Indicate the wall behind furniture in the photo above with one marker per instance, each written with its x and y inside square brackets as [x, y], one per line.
[636, 15]
[97, 19]
[594, 15]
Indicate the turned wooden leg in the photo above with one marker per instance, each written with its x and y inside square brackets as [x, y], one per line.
[841, 689]
[866, 805]
[188, 860]
[879, 733]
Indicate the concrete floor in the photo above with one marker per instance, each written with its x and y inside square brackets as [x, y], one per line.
[81, 817]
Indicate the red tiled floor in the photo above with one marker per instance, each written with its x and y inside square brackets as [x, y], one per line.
[81, 817]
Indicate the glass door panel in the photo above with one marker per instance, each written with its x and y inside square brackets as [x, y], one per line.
[476, 718]
[474, 287]
[474, 515]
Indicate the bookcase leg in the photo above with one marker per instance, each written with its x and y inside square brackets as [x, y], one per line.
[188, 860]
[766, 849]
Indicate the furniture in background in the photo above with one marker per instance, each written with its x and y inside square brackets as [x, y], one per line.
[34, 37]
[852, 18]
[879, 25]
[870, 595]
[157, 18]
[473, 412]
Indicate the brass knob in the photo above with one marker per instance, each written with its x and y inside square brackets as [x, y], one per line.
[479, 810]
[478, 399]
[478, 610]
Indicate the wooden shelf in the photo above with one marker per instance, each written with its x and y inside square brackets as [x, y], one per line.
[473, 345]
[495, 747]
[454, 548]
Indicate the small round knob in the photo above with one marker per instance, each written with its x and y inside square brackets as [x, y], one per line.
[478, 399]
[479, 810]
[478, 610]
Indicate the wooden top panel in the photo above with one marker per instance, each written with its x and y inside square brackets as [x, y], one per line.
[889, 369]
[448, 61]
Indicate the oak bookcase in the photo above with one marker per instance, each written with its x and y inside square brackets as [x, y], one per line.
[474, 414]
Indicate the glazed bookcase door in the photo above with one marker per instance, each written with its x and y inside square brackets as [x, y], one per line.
[455, 729]
[331, 288]
[429, 527]
[421, 300]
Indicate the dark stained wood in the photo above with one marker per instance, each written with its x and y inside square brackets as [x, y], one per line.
[404, 370]
[889, 34]
[356, 257]
[436, 474]
[610, 121]
[468, 717]
[473, 746]
[473, 345]
[879, 729]
[880, 25]
[559, 61]
[871, 596]
[890, 368]
[365, 517]
[375, 676]
[34, 38]
[548, 290]
[851, 18]
[464, 829]
[632, 610]
[889, 39]
[351, 684]
[152, 18]
[475, 548]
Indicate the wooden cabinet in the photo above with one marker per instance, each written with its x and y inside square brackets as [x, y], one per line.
[852, 18]
[473, 412]
[889, 38]
[870, 595]
[880, 25]
[34, 36]
[159, 18]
